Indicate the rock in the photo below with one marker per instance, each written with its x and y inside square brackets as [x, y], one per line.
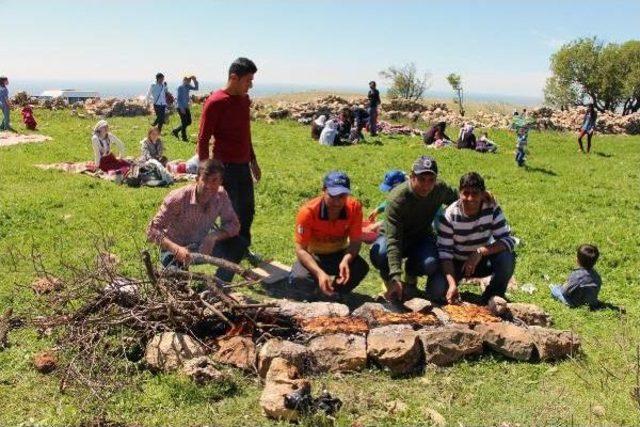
[498, 305]
[435, 417]
[445, 346]
[418, 305]
[442, 315]
[282, 379]
[237, 351]
[279, 114]
[553, 344]
[45, 362]
[397, 349]
[296, 354]
[202, 370]
[339, 352]
[367, 310]
[45, 285]
[530, 314]
[307, 310]
[396, 406]
[169, 350]
[598, 411]
[507, 339]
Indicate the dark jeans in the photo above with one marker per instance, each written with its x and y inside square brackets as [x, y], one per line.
[499, 266]
[373, 121]
[239, 185]
[306, 285]
[421, 259]
[520, 156]
[231, 249]
[6, 117]
[160, 111]
[185, 121]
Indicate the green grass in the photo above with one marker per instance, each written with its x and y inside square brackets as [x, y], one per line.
[562, 200]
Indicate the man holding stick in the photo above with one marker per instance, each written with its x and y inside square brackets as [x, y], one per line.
[186, 222]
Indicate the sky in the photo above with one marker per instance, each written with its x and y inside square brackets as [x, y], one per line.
[500, 47]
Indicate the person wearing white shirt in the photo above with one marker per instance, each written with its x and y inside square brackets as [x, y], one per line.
[157, 96]
[103, 157]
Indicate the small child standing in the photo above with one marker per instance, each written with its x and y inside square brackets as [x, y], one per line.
[584, 282]
[521, 146]
[28, 119]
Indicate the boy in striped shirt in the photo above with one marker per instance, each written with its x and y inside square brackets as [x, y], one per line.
[474, 240]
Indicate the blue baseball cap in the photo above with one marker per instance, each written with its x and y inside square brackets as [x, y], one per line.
[391, 179]
[337, 183]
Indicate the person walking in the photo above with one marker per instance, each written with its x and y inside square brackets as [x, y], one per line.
[588, 126]
[5, 104]
[226, 119]
[183, 102]
[157, 95]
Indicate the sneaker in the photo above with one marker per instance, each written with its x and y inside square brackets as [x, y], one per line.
[254, 258]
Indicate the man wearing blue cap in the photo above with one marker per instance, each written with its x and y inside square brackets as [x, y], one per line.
[408, 233]
[328, 236]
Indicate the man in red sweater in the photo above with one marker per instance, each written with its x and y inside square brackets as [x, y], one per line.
[225, 135]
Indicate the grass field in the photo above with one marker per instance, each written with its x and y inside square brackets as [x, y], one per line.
[561, 200]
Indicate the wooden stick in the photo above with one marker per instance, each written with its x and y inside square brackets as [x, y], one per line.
[146, 258]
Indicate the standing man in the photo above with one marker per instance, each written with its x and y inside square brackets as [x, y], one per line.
[226, 118]
[408, 233]
[5, 104]
[374, 102]
[183, 102]
[328, 238]
[474, 240]
[186, 222]
[157, 96]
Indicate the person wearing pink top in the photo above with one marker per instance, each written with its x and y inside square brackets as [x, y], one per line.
[187, 222]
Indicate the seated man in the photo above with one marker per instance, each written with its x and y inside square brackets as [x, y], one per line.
[186, 222]
[474, 240]
[408, 233]
[328, 237]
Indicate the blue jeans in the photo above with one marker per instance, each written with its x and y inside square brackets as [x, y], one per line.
[520, 156]
[421, 259]
[232, 249]
[6, 112]
[160, 111]
[499, 266]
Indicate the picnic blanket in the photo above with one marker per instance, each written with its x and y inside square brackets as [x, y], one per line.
[89, 168]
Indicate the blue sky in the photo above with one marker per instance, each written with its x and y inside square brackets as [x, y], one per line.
[497, 46]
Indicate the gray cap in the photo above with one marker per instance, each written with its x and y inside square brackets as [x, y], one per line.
[425, 164]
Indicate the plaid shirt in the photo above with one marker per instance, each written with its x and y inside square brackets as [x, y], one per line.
[185, 222]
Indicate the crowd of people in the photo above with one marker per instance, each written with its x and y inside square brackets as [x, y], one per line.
[430, 229]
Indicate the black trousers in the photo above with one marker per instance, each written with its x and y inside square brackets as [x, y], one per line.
[160, 111]
[239, 185]
[185, 121]
[306, 285]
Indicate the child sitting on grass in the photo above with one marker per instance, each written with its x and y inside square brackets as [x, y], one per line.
[583, 284]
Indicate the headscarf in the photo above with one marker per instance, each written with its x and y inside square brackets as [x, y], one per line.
[100, 125]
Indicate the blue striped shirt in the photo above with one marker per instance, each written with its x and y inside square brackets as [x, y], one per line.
[459, 235]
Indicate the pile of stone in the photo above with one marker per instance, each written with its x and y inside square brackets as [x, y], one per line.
[114, 107]
[22, 99]
[398, 340]
[304, 112]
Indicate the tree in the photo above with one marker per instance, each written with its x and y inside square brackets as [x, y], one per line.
[630, 63]
[561, 96]
[405, 81]
[607, 74]
[456, 84]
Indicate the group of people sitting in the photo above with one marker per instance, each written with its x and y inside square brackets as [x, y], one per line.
[345, 129]
[151, 168]
[436, 137]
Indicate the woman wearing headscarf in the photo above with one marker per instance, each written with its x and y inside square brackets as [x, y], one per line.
[102, 140]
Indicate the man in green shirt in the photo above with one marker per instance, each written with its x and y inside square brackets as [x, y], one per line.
[408, 233]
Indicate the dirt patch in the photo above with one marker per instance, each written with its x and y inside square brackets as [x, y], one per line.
[11, 138]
